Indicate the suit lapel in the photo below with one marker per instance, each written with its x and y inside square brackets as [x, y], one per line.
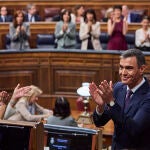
[137, 96]
[121, 96]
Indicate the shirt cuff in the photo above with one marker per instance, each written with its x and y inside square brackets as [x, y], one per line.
[98, 113]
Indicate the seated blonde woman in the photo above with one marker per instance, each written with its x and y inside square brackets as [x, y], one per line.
[6, 101]
[27, 109]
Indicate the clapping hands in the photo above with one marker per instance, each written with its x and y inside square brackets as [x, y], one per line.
[102, 94]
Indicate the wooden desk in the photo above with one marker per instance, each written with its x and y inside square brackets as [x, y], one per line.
[107, 130]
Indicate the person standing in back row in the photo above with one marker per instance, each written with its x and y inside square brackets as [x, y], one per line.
[65, 31]
[117, 29]
[142, 35]
[19, 32]
[90, 31]
[127, 103]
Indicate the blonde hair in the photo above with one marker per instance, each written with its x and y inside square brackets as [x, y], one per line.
[34, 91]
[108, 12]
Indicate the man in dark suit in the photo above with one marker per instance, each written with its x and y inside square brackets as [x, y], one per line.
[130, 16]
[131, 115]
[4, 17]
[32, 15]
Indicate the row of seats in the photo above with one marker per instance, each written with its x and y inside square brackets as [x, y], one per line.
[48, 41]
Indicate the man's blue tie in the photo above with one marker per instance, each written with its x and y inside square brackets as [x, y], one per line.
[127, 99]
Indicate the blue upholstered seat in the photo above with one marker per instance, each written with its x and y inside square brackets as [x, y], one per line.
[130, 38]
[45, 41]
[104, 38]
[48, 40]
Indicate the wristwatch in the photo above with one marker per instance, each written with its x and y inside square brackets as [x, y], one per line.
[111, 103]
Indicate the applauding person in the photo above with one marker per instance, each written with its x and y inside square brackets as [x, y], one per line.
[65, 31]
[4, 100]
[90, 31]
[117, 29]
[142, 35]
[127, 103]
[19, 32]
[27, 109]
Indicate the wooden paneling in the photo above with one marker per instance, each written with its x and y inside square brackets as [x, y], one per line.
[58, 73]
[98, 5]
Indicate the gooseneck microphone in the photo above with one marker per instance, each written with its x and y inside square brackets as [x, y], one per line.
[20, 37]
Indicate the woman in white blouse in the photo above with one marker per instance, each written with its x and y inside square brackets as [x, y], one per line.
[90, 31]
[142, 35]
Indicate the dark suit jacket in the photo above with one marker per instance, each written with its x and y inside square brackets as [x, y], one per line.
[7, 19]
[135, 17]
[132, 125]
[36, 17]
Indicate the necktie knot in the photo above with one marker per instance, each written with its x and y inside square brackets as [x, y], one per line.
[129, 93]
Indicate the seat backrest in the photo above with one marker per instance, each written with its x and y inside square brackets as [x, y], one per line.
[104, 38]
[45, 41]
[49, 13]
[7, 41]
[130, 39]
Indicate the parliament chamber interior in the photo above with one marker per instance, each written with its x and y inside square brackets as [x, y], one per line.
[60, 72]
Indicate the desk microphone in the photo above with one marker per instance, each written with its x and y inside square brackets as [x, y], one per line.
[20, 37]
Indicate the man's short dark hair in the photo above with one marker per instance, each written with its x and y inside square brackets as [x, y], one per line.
[134, 53]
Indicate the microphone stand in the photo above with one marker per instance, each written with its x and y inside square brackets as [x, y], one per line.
[20, 39]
